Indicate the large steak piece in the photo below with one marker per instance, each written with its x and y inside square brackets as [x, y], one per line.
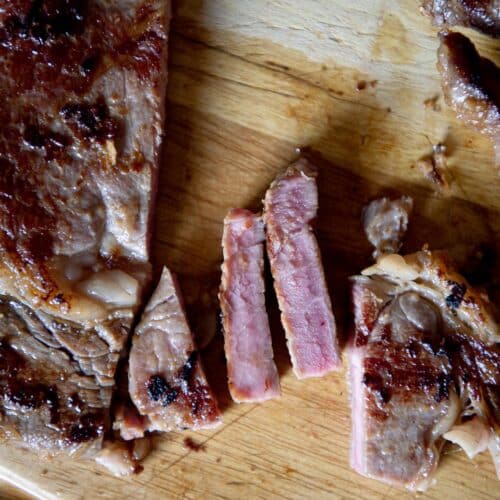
[424, 367]
[81, 113]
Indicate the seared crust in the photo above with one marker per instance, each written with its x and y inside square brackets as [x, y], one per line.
[482, 15]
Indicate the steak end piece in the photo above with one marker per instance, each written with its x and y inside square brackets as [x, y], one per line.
[290, 207]
[252, 373]
[470, 85]
[482, 15]
[424, 366]
[167, 383]
[82, 95]
[385, 222]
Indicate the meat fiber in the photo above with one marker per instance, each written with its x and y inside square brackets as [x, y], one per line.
[81, 116]
[424, 358]
[291, 204]
[470, 85]
[482, 15]
[252, 373]
[166, 380]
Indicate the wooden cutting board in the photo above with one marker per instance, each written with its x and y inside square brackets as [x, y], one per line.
[250, 81]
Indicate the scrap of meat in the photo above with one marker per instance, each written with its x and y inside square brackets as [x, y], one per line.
[166, 380]
[81, 117]
[470, 85]
[385, 222]
[424, 366]
[290, 206]
[482, 15]
[252, 373]
[435, 167]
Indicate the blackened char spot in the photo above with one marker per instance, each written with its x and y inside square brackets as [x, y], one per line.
[159, 389]
[90, 121]
[376, 384]
[188, 369]
[457, 294]
[89, 64]
[48, 19]
[26, 395]
[87, 428]
[170, 396]
[157, 386]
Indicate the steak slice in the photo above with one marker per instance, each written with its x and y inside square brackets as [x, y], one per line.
[252, 373]
[470, 85]
[424, 357]
[482, 15]
[166, 381]
[81, 117]
[290, 206]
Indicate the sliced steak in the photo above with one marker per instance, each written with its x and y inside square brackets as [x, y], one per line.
[81, 117]
[424, 357]
[482, 15]
[166, 381]
[290, 206]
[470, 85]
[252, 373]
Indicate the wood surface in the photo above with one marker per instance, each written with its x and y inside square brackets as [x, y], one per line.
[250, 81]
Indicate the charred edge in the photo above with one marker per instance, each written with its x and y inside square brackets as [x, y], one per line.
[443, 387]
[457, 294]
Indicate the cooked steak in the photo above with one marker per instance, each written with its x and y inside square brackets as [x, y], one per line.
[385, 222]
[471, 85]
[166, 380]
[252, 373]
[482, 15]
[290, 206]
[82, 98]
[424, 357]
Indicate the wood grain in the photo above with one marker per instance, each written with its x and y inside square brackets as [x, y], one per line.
[250, 81]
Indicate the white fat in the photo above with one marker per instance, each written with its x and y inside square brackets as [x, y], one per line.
[117, 459]
[451, 416]
[112, 287]
[393, 265]
[420, 312]
[472, 436]
[494, 447]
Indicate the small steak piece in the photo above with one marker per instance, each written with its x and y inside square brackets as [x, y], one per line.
[482, 15]
[421, 334]
[252, 373]
[385, 222]
[166, 380]
[470, 85]
[291, 204]
[82, 99]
